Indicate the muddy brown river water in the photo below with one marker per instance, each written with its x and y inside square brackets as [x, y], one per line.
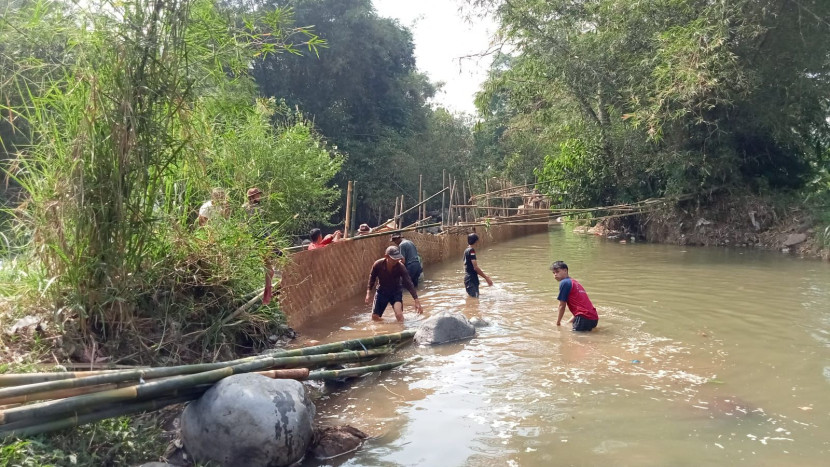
[703, 356]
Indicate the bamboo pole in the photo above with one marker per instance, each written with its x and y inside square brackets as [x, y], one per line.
[420, 196]
[490, 193]
[81, 417]
[395, 215]
[347, 223]
[293, 373]
[357, 371]
[464, 198]
[153, 373]
[400, 219]
[354, 206]
[78, 419]
[444, 188]
[424, 201]
[19, 379]
[57, 408]
[451, 219]
[487, 196]
[38, 390]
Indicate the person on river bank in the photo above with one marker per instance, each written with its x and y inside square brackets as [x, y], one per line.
[217, 206]
[471, 269]
[318, 241]
[572, 294]
[411, 260]
[391, 277]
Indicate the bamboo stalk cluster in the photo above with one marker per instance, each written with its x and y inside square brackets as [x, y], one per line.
[66, 399]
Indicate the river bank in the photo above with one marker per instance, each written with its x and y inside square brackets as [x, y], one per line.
[766, 223]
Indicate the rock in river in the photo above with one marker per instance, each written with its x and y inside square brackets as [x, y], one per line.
[444, 327]
[250, 420]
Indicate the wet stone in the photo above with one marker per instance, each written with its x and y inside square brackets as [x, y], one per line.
[479, 322]
[795, 239]
[333, 441]
[249, 420]
[443, 328]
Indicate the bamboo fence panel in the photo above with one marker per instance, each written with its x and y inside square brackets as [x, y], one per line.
[315, 281]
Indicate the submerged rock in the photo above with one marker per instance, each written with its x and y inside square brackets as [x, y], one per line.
[444, 327]
[333, 441]
[479, 322]
[249, 420]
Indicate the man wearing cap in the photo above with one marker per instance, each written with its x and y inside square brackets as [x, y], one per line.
[410, 257]
[364, 229]
[391, 277]
[252, 205]
[572, 294]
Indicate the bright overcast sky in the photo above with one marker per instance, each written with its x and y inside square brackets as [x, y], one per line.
[442, 36]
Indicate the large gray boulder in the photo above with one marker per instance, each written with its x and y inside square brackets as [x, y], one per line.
[249, 420]
[444, 327]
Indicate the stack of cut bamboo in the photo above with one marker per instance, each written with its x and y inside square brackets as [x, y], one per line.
[68, 399]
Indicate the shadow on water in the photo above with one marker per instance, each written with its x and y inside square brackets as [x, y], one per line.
[702, 356]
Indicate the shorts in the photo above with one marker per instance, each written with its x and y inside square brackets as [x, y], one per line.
[471, 284]
[414, 271]
[382, 301]
[582, 323]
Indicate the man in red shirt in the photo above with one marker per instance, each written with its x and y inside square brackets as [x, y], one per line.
[573, 294]
[317, 240]
[391, 276]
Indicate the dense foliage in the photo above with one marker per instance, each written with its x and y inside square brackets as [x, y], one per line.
[122, 135]
[626, 99]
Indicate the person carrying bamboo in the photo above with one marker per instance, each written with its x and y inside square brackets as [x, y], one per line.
[572, 294]
[391, 276]
[471, 269]
[411, 260]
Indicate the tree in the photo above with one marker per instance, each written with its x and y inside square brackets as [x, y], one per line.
[363, 93]
[643, 98]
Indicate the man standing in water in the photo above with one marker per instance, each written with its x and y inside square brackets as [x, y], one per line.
[471, 269]
[410, 257]
[391, 276]
[572, 293]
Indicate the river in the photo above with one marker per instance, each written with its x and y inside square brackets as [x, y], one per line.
[702, 356]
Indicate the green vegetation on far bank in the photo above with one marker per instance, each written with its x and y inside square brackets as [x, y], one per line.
[622, 100]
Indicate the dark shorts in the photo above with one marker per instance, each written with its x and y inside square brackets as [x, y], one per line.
[414, 271]
[471, 284]
[582, 323]
[382, 301]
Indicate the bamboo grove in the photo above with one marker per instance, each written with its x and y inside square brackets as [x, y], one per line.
[122, 117]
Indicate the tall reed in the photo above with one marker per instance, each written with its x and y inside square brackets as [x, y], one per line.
[144, 111]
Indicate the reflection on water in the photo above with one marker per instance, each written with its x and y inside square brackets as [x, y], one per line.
[702, 356]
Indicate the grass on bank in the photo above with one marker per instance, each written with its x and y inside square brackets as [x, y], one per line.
[122, 441]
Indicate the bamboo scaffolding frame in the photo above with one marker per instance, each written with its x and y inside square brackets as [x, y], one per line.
[422, 202]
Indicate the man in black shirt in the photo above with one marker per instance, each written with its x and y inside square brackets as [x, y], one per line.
[391, 277]
[471, 269]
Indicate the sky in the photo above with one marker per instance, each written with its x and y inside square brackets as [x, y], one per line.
[442, 35]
